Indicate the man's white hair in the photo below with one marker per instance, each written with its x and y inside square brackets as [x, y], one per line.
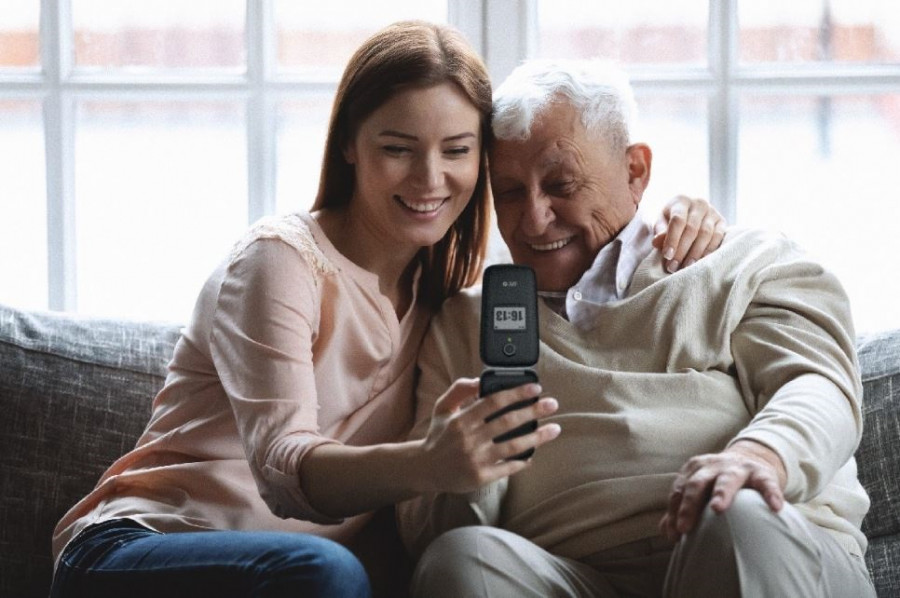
[598, 89]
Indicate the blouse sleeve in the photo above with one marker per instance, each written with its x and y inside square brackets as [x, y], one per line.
[263, 330]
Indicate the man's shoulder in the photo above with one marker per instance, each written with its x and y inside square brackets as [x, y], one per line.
[462, 306]
[754, 236]
[745, 243]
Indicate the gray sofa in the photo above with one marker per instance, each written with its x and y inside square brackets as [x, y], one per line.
[75, 394]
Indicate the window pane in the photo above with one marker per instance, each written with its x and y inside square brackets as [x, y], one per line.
[824, 171]
[19, 33]
[23, 206]
[675, 129]
[302, 127]
[111, 34]
[638, 32]
[161, 196]
[318, 38]
[810, 31]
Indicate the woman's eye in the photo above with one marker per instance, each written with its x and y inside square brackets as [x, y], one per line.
[459, 151]
[396, 150]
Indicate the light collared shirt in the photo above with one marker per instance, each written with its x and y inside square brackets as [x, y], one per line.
[607, 279]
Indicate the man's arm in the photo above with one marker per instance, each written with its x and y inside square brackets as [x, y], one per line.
[796, 364]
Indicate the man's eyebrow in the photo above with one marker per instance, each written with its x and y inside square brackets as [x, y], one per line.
[401, 135]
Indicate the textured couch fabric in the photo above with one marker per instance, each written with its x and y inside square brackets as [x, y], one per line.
[878, 457]
[75, 394]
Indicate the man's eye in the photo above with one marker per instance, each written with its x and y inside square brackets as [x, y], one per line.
[562, 187]
[508, 194]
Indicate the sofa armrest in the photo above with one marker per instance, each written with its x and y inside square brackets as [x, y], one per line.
[878, 456]
[75, 394]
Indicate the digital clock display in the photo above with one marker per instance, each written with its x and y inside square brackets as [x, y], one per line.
[509, 318]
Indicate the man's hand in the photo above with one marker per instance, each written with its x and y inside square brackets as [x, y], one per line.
[716, 478]
[687, 230]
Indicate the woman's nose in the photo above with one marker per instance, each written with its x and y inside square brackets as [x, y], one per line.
[429, 173]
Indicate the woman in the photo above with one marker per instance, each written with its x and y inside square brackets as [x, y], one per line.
[290, 392]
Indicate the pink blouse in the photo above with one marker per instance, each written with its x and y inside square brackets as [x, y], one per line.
[290, 346]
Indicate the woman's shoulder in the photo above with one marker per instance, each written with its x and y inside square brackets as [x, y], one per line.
[294, 231]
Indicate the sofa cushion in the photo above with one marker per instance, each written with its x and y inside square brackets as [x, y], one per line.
[75, 394]
[878, 456]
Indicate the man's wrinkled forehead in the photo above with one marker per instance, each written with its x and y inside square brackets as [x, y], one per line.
[548, 149]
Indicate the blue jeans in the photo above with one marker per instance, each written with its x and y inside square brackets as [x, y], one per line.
[122, 558]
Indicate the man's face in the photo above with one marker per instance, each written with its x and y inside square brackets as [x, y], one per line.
[562, 194]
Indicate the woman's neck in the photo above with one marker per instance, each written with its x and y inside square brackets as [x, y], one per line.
[394, 266]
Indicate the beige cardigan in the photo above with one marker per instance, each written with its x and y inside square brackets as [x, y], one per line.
[755, 341]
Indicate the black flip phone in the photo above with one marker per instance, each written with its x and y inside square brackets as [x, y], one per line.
[510, 342]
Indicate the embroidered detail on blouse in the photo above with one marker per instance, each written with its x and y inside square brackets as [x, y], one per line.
[292, 230]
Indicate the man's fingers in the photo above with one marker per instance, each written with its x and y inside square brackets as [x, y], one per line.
[696, 495]
[667, 523]
[768, 487]
[726, 486]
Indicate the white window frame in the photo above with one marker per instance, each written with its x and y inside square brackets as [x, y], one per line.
[503, 31]
[58, 87]
[511, 33]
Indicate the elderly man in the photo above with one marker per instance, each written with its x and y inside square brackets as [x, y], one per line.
[708, 418]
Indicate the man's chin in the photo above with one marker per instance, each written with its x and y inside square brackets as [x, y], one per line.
[552, 274]
[549, 279]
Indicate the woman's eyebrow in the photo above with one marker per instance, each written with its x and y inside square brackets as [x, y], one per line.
[401, 135]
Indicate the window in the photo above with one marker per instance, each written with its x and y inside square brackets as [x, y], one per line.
[168, 127]
[786, 115]
[140, 139]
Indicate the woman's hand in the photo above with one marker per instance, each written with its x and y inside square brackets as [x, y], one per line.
[715, 479]
[460, 454]
[687, 230]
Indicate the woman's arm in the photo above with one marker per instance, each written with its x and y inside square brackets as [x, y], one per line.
[458, 455]
[687, 230]
[262, 345]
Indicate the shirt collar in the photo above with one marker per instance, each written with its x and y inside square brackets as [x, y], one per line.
[610, 274]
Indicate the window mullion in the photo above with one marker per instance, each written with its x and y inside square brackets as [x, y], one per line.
[261, 130]
[723, 107]
[59, 146]
[468, 17]
[510, 34]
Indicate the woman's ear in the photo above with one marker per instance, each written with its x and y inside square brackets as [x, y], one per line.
[349, 152]
[639, 159]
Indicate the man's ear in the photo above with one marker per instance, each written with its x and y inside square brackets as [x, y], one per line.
[639, 158]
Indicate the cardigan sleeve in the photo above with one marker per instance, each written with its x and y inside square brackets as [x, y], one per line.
[796, 363]
[264, 327]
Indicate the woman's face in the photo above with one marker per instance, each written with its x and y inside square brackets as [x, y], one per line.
[416, 159]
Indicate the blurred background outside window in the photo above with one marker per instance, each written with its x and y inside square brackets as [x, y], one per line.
[138, 140]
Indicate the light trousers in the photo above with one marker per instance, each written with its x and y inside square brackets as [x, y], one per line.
[748, 551]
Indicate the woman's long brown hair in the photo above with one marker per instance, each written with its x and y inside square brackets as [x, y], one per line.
[402, 55]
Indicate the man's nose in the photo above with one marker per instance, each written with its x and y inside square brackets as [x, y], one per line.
[538, 214]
